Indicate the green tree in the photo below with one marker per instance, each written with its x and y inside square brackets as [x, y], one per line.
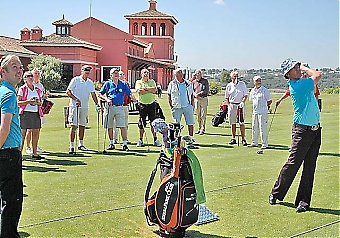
[51, 71]
[225, 77]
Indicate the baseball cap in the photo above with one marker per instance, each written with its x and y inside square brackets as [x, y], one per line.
[113, 70]
[287, 65]
[86, 68]
[256, 78]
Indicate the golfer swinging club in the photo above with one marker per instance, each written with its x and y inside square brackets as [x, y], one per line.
[306, 135]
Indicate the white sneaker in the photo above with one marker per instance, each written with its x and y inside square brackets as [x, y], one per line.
[157, 143]
[29, 151]
[40, 150]
[264, 147]
[140, 143]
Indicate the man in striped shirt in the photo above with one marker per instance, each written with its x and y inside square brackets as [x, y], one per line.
[262, 100]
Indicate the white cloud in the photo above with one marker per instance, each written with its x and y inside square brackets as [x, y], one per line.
[221, 2]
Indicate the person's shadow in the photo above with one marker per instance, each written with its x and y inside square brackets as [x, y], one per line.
[196, 234]
[314, 209]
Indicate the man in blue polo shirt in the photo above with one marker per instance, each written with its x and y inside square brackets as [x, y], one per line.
[113, 93]
[11, 185]
[306, 135]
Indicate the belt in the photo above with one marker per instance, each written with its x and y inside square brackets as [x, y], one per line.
[13, 148]
[235, 103]
[116, 105]
[313, 128]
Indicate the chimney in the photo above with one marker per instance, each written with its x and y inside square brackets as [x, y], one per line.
[36, 33]
[152, 5]
[25, 34]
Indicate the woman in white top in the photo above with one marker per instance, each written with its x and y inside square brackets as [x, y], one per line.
[29, 101]
[36, 82]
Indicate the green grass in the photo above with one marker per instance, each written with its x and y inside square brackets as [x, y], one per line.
[97, 195]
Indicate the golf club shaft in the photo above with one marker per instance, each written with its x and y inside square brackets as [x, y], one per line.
[106, 123]
[76, 133]
[270, 126]
[98, 131]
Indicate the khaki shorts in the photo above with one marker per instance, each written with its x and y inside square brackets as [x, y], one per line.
[82, 116]
[114, 116]
[232, 114]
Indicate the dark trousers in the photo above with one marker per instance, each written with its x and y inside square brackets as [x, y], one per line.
[11, 192]
[304, 149]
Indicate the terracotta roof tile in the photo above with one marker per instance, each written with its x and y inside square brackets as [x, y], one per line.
[25, 29]
[62, 21]
[13, 45]
[151, 14]
[56, 40]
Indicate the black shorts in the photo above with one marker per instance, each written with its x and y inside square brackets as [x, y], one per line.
[30, 120]
[146, 110]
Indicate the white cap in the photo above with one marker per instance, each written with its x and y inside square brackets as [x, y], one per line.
[256, 78]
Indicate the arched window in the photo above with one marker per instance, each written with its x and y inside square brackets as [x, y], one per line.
[144, 29]
[153, 29]
[162, 29]
[171, 52]
[135, 29]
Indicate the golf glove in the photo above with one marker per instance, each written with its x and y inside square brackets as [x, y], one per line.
[98, 108]
[241, 105]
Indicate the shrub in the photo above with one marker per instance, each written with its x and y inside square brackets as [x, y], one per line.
[214, 87]
[331, 90]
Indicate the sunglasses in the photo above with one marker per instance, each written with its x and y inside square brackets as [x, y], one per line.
[29, 76]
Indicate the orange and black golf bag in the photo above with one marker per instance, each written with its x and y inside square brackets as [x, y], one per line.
[173, 206]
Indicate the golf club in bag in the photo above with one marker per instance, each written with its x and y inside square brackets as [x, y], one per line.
[173, 206]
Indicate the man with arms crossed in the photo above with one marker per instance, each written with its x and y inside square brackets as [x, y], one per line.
[306, 135]
[146, 89]
[79, 91]
[11, 185]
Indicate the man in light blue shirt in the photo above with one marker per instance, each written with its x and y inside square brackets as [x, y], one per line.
[306, 135]
[11, 185]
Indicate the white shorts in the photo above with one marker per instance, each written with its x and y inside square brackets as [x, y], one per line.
[81, 120]
[115, 118]
[232, 114]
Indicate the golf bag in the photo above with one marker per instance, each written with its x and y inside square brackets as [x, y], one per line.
[173, 206]
[46, 106]
[158, 111]
[221, 115]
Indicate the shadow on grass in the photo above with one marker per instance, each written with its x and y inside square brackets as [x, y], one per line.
[130, 152]
[24, 234]
[41, 169]
[329, 154]
[314, 209]
[65, 154]
[195, 234]
[198, 234]
[278, 147]
[215, 145]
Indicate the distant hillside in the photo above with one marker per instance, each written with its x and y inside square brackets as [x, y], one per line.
[273, 79]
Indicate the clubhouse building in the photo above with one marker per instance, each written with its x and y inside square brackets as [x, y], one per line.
[148, 44]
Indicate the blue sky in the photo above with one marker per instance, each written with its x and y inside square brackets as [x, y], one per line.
[210, 33]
